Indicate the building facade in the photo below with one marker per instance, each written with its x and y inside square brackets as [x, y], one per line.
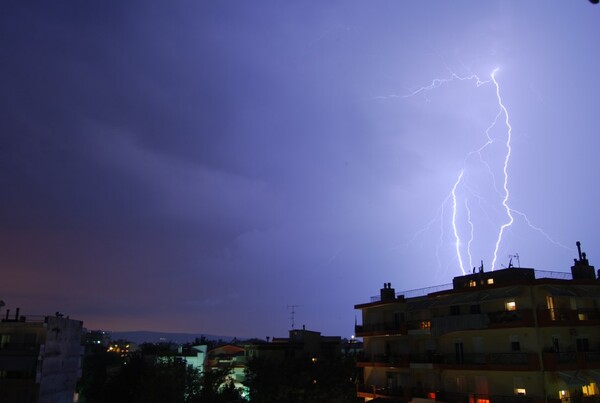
[502, 336]
[40, 359]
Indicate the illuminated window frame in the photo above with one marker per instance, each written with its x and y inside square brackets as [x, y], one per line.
[511, 306]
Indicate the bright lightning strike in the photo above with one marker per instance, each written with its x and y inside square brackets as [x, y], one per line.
[454, 210]
[501, 119]
[505, 170]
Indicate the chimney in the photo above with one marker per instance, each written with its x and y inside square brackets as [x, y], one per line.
[17, 314]
[581, 269]
[387, 292]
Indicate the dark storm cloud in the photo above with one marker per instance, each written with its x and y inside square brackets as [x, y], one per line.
[200, 165]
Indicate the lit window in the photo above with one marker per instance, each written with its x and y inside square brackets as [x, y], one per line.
[511, 306]
[563, 394]
[582, 316]
[425, 324]
[590, 389]
[431, 395]
[520, 391]
[490, 281]
[472, 283]
[483, 400]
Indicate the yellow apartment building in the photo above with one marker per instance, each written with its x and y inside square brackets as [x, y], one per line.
[505, 336]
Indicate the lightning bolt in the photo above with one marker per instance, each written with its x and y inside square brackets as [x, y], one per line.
[454, 227]
[472, 235]
[507, 224]
[503, 192]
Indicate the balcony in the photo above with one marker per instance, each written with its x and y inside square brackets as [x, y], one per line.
[372, 391]
[382, 360]
[580, 399]
[488, 362]
[380, 329]
[478, 321]
[499, 319]
[565, 361]
[454, 397]
[568, 317]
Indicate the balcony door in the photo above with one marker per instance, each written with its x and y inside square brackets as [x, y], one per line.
[459, 352]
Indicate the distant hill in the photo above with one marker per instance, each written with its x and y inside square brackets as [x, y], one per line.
[143, 336]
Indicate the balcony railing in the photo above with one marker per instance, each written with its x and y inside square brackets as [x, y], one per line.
[568, 317]
[380, 328]
[492, 361]
[379, 391]
[571, 360]
[454, 397]
[388, 360]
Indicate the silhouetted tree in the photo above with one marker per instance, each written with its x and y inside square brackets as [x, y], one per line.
[144, 379]
[295, 380]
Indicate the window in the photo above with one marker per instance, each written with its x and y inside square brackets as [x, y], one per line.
[455, 310]
[555, 343]
[583, 345]
[590, 389]
[550, 304]
[515, 344]
[472, 283]
[490, 281]
[475, 309]
[459, 352]
[519, 386]
[511, 306]
[4, 340]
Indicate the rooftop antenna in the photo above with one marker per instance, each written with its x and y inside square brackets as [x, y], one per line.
[292, 309]
[510, 261]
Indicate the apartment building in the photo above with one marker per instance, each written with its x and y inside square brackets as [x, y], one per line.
[40, 358]
[512, 335]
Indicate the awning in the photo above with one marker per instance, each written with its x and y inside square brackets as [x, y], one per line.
[573, 291]
[595, 376]
[468, 296]
[575, 379]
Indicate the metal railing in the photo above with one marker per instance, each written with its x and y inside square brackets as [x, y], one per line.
[421, 292]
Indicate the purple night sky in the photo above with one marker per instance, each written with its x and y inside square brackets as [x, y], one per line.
[200, 166]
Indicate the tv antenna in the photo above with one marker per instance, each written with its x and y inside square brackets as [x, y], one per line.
[510, 262]
[292, 309]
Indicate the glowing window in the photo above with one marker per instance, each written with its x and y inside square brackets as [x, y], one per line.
[590, 389]
[563, 394]
[425, 324]
[582, 316]
[520, 391]
[431, 395]
[511, 306]
[472, 283]
[490, 281]
[483, 400]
